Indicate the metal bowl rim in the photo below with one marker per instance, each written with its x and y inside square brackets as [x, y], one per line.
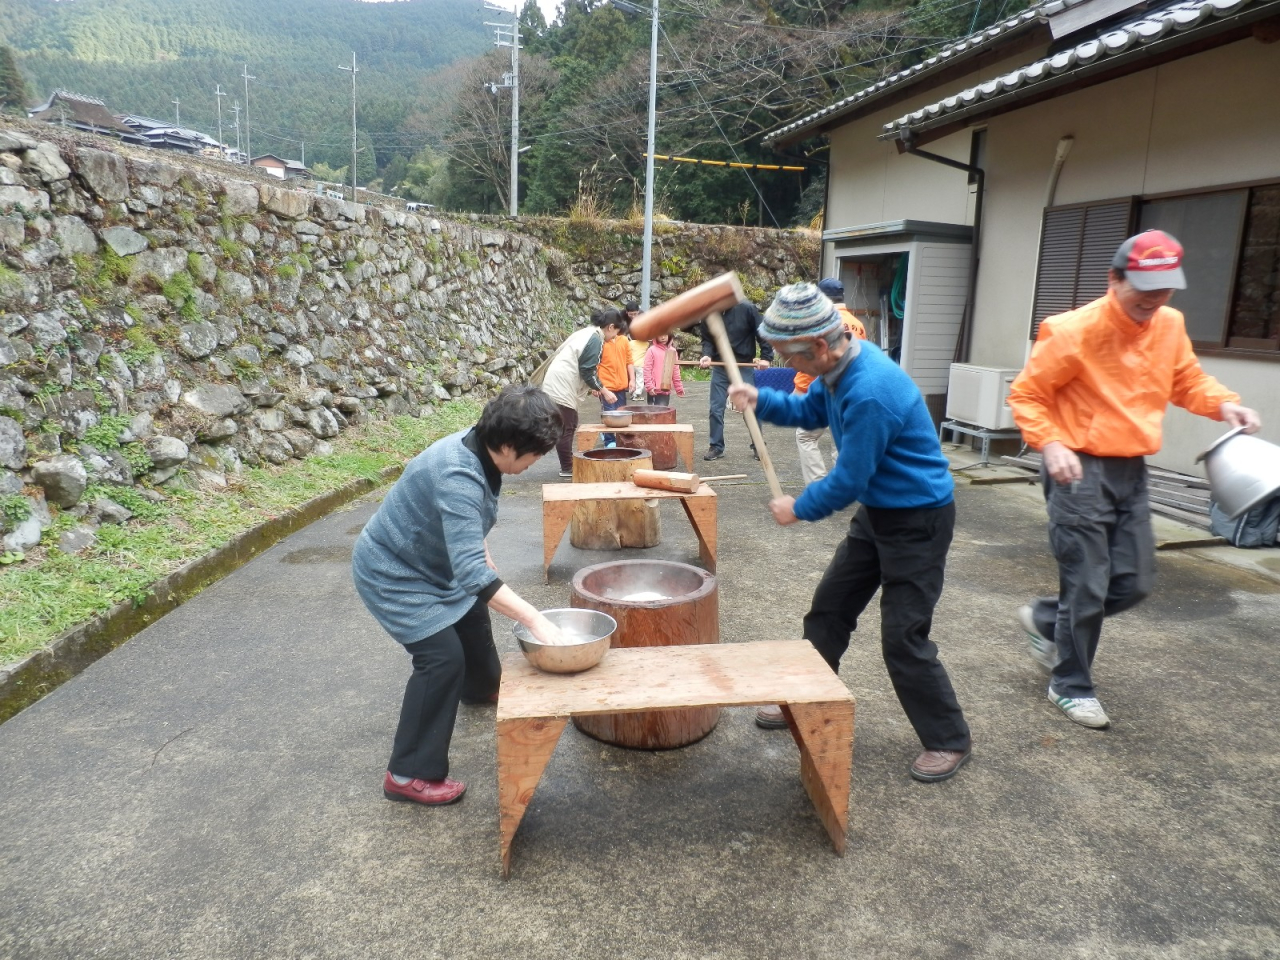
[552, 646]
[709, 582]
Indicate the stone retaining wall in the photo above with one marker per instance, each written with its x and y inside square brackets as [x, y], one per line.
[161, 324]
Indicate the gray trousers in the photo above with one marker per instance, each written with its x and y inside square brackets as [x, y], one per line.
[1100, 533]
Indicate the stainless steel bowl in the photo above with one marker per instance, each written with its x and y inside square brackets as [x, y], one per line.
[592, 629]
[1243, 471]
[612, 419]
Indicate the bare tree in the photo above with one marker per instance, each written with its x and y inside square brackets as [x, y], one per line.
[479, 138]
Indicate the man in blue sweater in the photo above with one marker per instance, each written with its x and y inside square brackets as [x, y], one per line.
[892, 464]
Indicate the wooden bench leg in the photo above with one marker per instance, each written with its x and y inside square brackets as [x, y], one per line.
[524, 747]
[702, 514]
[585, 439]
[824, 733]
[684, 443]
[555, 521]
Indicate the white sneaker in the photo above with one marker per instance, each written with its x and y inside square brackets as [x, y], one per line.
[1043, 650]
[1086, 711]
[566, 474]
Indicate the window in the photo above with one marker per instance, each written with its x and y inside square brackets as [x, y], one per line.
[1255, 306]
[1232, 243]
[1208, 227]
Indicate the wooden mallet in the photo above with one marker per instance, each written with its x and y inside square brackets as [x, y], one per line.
[705, 302]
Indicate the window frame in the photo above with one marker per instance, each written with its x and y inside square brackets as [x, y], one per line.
[1226, 345]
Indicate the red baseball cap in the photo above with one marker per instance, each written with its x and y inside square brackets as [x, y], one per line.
[1151, 261]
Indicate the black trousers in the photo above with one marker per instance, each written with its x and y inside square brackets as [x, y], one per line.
[902, 553]
[458, 663]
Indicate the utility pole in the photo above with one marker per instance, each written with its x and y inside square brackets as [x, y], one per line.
[248, 150]
[354, 71]
[237, 110]
[217, 98]
[512, 80]
[646, 270]
[177, 112]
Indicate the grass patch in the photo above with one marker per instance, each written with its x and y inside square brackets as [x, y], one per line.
[50, 594]
[230, 248]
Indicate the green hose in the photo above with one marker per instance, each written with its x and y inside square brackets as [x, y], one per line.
[898, 293]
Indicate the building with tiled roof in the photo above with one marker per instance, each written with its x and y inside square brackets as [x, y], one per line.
[987, 187]
[79, 112]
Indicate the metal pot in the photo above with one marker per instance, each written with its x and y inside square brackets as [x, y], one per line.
[614, 418]
[591, 629]
[1243, 471]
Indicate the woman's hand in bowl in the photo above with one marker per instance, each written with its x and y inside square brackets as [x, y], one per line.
[544, 631]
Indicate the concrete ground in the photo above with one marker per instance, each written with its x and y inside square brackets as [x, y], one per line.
[211, 789]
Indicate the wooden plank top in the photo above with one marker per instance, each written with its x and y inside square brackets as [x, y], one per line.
[620, 490]
[640, 428]
[648, 678]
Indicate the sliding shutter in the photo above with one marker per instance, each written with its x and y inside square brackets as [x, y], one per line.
[1076, 247]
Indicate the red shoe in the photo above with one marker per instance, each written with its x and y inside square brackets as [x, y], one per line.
[433, 793]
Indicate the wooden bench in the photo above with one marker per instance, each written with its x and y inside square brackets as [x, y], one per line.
[534, 707]
[588, 433]
[559, 499]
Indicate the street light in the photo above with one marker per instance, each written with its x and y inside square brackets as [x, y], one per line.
[645, 270]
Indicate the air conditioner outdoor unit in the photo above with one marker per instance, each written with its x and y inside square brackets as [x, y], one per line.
[978, 396]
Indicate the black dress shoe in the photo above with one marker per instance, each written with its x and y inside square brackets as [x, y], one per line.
[713, 454]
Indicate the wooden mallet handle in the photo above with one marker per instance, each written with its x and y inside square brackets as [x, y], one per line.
[715, 326]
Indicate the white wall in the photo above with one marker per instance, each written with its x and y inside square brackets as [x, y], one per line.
[1204, 120]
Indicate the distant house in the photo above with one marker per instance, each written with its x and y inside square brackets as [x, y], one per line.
[83, 113]
[165, 136]
[974, 194]
[279, 167]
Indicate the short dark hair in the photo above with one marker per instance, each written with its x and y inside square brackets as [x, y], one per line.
[1117, 274]
[521, 417]
[610, 317]
[631, 306]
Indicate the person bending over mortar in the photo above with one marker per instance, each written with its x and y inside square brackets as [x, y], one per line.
[891, 462]
[423, 569]
[1091, 400]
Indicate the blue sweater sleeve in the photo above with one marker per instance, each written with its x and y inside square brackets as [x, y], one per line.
[460, 512]
[860, 456]
[807, 411]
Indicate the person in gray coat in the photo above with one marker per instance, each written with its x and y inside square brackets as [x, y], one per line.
[422, 567]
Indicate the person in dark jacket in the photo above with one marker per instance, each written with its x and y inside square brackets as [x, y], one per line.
[741, 323]
[423, 569]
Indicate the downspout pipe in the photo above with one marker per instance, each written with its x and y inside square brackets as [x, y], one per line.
[965, 338]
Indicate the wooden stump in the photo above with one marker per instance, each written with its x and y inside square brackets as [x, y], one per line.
[674, 604]
[661, 445]
[613, 524]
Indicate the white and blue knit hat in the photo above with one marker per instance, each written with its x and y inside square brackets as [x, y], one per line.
[800, 311]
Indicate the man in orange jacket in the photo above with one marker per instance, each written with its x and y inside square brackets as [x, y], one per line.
[1091, 399]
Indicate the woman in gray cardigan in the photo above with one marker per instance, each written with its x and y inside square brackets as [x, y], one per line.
[423, 569]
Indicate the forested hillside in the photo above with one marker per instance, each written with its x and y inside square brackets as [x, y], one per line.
[729, 70]
[140, 55]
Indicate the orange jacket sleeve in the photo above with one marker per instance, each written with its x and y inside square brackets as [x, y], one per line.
[1055, 361]
[1193, 389]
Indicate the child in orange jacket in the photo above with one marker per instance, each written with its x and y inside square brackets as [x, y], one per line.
[655, 359]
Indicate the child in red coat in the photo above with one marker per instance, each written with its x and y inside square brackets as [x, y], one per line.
[661, 352]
